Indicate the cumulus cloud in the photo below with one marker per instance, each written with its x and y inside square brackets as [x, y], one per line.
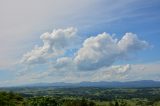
[64, 62]
[121, 69]
[98, 51]
[95, 53]
[103, 50]
[113, 73]
[133, 72]
[131, 43]
[54, 44]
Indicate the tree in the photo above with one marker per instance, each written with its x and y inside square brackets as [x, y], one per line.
[91, 103]
[116, 104]
[84, 102]
[111, 103]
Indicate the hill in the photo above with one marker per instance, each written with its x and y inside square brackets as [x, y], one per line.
[130, 84]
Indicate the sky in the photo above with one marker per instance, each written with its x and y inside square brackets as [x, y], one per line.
[75, 41]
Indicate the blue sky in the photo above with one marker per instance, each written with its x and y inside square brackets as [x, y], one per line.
[62, 56]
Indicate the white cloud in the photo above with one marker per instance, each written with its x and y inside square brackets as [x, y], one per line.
[64, 63]
[148, 71]
[97, 54]
[121, 69]
[54, 44]
[133, 72]
[113, 73]
[131, 43]
[103, 50]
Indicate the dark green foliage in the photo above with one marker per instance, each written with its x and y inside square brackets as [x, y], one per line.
[116, 104]
[80, 97]
[91, 103]
[43, 101]
[11, 99]
[102, 94]
[111, 103]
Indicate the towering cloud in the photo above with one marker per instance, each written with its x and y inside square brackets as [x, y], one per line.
[131, 43]
[103, 50]
[96, 52]
[54, 44]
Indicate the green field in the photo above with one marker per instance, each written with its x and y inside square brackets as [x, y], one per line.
[79, 96]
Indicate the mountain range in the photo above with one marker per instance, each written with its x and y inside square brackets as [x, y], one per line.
[114, 84]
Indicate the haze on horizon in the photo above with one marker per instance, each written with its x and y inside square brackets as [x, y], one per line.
[74, 41]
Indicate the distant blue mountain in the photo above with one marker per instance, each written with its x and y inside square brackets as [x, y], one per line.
[130, 84]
